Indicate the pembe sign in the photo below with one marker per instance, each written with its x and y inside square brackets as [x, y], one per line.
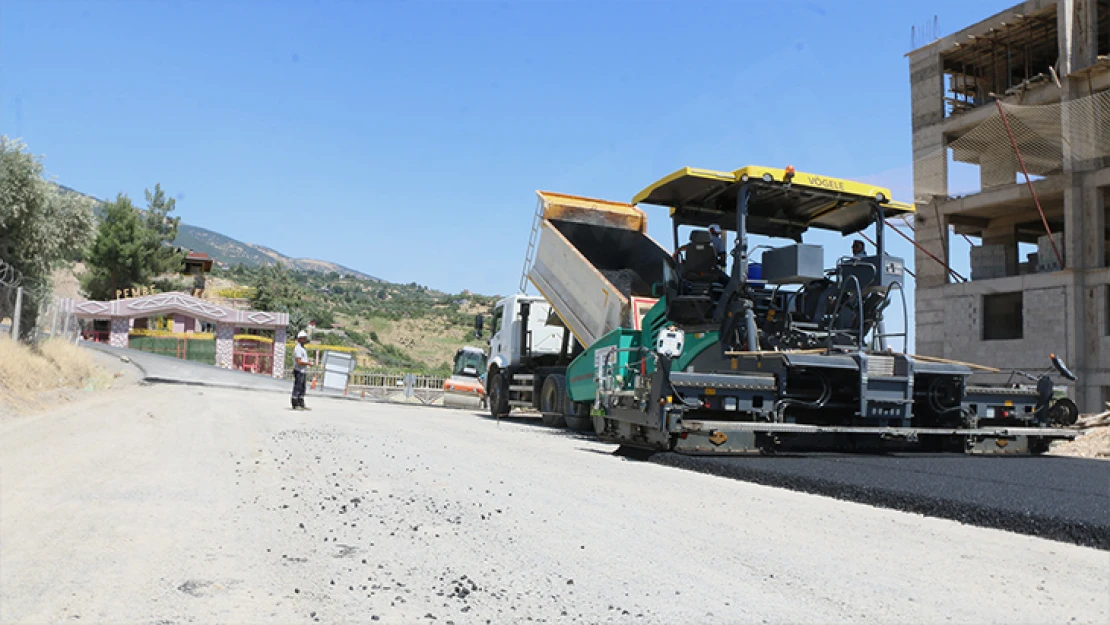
[138, 291]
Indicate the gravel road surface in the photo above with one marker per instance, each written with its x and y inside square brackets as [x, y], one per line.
[171, 504]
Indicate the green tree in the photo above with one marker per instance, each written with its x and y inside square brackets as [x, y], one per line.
[122, 255]
[161, 230]
[40, 227]
[298, 320]
[274, 289]
[132, 247]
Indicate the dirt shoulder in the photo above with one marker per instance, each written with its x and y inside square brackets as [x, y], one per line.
[38, 379]
[1093, 443]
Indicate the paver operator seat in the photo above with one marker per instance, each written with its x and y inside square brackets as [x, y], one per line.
[698, 283]
[697, 260]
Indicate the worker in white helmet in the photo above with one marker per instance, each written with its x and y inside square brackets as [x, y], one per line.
[300, 370]
[718, 242]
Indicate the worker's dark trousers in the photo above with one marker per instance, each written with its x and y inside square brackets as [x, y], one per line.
[298, 388]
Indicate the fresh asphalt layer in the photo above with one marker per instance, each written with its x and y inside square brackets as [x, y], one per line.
[1064, 499]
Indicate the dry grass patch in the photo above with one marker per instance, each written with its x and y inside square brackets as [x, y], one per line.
[28, 374]
[75, 367]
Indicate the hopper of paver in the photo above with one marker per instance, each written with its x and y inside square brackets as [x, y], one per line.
[594, 263]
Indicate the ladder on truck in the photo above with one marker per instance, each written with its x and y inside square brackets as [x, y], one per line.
[530, 253]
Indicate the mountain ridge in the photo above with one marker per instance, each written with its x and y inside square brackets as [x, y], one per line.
[230, 251]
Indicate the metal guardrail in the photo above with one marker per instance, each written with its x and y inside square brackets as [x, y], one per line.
[387, 386]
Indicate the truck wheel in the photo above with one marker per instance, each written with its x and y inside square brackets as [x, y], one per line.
[498, 396]
[577, 416]
[1039, 445]
[553, 397]
[1064, 412]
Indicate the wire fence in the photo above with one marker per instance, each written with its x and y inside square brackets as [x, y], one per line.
[33, 314]
[56, 319]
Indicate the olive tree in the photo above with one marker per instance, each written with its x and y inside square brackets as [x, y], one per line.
[40, 227]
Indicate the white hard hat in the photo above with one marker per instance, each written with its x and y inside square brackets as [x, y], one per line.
[302, 334]
[714, 228]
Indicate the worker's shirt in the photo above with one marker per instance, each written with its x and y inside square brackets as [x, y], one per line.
[299, 354]
[718, 244]
[719, 249]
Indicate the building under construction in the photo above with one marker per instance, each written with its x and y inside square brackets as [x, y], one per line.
[1024, 97]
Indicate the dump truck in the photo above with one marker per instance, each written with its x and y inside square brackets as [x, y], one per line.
[707, 353]
[594, 266]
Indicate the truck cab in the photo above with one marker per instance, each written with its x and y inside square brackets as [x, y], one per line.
[529, 350]
[516, 336]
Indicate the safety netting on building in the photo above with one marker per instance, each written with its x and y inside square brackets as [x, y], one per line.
[1046, 136]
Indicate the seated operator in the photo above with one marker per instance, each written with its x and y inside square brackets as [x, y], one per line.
[718, 245]
[858, 250]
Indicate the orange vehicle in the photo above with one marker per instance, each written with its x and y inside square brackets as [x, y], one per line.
[466, 386]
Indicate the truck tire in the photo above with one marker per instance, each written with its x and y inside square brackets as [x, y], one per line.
[498, 395]
[1039, 445]
[553, 398]
[577, 416]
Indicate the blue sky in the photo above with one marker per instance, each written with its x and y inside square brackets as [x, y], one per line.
[406, 139]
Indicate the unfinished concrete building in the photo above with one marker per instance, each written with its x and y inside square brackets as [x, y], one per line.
[1027, 90]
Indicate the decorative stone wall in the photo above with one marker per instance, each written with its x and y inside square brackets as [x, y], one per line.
[225, 345]
[279, 352]
[121, 328]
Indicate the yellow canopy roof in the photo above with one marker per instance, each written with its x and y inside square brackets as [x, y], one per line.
[779, 207]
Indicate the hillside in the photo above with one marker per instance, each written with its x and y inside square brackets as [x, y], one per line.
[229, 251]
[397, 326]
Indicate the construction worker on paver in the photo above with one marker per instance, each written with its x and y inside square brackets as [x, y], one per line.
[300, 371]
[858, 250]
[718, 243]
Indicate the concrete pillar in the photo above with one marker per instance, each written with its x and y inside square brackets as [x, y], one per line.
[1084, 214]
[1077, 25]
[930, 186]
[121, 327]
[225, 345]
[931, 233]
[279, 352]
[1083, 210]
[930, 159]
[1004, 234]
